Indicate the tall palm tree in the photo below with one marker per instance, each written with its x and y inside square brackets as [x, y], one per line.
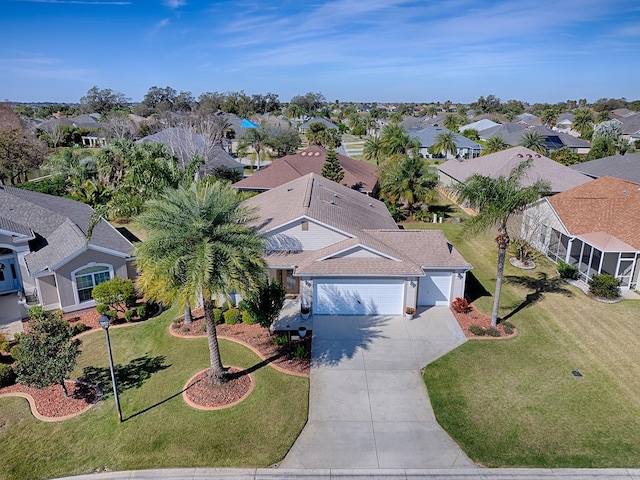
[257, 138]
[445, 143]
[496, 200]
[494, 144]
[396, 141]
[199, 246]
[409, 180]
[373, 149]
[582, 121]
[533, 140]
[451, 122]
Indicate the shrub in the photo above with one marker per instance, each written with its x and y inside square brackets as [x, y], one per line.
[477, 330]
[118, 293]
[79, 328]
[604, 286]
[506, 324]
[242, 305]
[247, 318]
[217, 316]
[7, 375]
[225, 306]
[4, 343]
[410, 310]
[15, 351]
[460, 305]
[128, 315]
[37, 313]
[421, 216]
[280, 340]
[507, 329]
[300, 352]
[232, 316]
[141, 311]
[203, 327]
[492, 332]
[567, 271]
[265, 302]
[102, 308]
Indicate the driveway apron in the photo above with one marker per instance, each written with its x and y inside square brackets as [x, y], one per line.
[368, 405]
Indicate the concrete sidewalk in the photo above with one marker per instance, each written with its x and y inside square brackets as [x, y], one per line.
[396, 474]
[368, 405]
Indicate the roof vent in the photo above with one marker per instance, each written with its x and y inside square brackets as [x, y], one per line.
[333, 202]
[336, 195]
[302, 154]
[317, 154]
[289, 189]
[371, 204]
[624, 192]
[519, 155]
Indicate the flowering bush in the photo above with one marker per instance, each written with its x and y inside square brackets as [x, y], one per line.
[460, 305]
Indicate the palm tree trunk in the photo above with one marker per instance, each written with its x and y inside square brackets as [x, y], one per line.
[216, 371]
[188, 318]
[502, 240]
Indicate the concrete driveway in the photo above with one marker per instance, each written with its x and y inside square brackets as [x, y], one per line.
[368, 406]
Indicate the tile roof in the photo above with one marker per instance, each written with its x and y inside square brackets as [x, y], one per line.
[365, 220]
[357, 173]
[607, 204]
[502, 163]
[624, 167]
[60, 226]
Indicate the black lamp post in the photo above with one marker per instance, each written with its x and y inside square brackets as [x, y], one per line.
[104, 321]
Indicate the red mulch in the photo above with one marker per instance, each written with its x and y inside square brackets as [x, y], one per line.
[474, 317]
[201, 393]
[256, 336]
[51, 402]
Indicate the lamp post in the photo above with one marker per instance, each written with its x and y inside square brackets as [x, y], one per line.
[104, 321]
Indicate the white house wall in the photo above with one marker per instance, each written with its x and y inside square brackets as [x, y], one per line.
[315, 237]
[539, 216]
[458, 285]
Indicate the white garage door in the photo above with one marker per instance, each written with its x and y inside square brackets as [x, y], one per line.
[434, 288]
[358, 297]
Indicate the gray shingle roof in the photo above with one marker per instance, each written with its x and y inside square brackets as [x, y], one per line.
[496, 164]
[60, 226]
[624, 167]
[427, 137]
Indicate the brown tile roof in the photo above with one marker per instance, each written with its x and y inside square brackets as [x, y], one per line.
[502, 163]
[356, 172]
[606, 205]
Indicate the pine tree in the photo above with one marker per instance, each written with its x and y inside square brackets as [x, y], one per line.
[332, 168]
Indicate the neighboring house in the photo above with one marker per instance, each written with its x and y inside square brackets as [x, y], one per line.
[185, 144]
[465, 148]
[44, 255]
[358, 174]
[410, 122]
[631, 127]
[480, 125]
[328, 123]
[93, 140]
[564, 124]
[592, 226]
[512, 134]
[528, 119]
[625, 167]
[501, 163]
[343, 254]
[620, 113]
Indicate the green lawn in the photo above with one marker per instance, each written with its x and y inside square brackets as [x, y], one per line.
[515, 402]
[159, 430]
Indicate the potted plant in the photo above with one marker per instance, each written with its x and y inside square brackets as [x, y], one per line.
[410, 311]
[302, 331]
[305, 310]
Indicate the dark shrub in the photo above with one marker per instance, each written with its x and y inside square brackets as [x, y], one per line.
[7, 375]
[476, 330]
[141, 311]
[232, 316]
[507, 329]
[604, 286]
[280, 340]
[217, 316]
[300, 352]
[14, 351]
[242, 305]
[492, 332]
[79, 328]
[567, 271]
[128, 315]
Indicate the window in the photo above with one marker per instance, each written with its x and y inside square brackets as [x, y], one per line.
[89, 277]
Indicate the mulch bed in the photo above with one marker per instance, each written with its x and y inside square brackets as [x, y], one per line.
[201, 394]
[50, 401]
[254, 335]
[474, 317]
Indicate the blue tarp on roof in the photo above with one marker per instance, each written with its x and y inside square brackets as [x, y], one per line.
[248, 124]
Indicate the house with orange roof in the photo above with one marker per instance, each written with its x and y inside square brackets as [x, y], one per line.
[593, 226]
[358, 174]
[342, 253]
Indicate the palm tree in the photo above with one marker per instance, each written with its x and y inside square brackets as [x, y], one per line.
[533, 140]
[373, 149]
[257, 138]
[582, 121]
[396, 141]
[494, 144]
[451, 122]
[199, 246]
[549, 117]
[408, 179]
[445, 143]
[496, 200]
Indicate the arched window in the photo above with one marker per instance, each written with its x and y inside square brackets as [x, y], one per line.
[89, 277]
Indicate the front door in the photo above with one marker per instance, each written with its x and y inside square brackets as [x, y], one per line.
[290, 283]
[8, 275]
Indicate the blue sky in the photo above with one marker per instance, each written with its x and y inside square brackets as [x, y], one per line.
[350, 50]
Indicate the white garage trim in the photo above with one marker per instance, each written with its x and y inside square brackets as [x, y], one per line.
[434, 289]
[339, 296]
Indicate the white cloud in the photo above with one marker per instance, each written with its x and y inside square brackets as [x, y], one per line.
[175, 3]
